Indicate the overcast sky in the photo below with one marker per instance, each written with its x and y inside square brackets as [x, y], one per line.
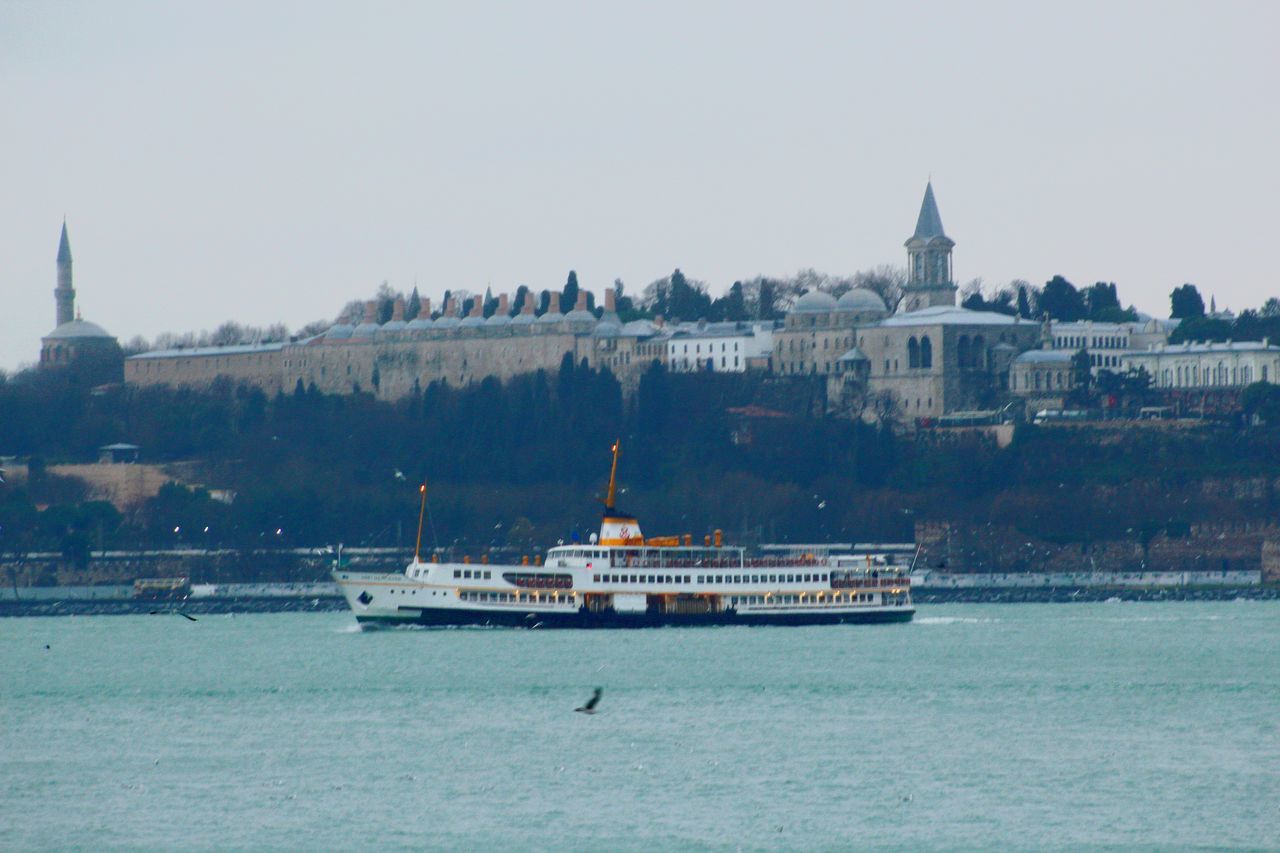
[269, 162]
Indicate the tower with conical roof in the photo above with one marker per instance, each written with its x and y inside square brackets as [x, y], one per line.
[929, 278]
[64, 294]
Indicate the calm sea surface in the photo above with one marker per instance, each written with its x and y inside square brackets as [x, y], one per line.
[977, 726]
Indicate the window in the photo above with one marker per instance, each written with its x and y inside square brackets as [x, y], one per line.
[926, 352]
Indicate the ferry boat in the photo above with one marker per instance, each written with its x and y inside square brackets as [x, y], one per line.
[620, 579]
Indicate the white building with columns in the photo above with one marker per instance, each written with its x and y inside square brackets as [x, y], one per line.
[1206, 365]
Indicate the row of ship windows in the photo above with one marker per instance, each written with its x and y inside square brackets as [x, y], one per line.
[802, 578]
[833, 598]
[477, 574]
[499, 597]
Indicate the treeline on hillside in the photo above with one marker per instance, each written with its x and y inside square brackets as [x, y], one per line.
[520, 465]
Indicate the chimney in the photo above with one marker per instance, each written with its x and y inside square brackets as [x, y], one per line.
[553, 302]
[371, 311]
[582, 301]
[451, 306]
[529, 299]
[659, 321]
[503, 307]
[397, 310]
[610, 301]
[425, 310]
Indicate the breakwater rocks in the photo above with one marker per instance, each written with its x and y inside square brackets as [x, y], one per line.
[1067, 595]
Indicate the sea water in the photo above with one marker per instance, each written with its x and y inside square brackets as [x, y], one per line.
[976, 726]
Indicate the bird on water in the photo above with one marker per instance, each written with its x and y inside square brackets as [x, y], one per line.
[590, 707]
[179, 612]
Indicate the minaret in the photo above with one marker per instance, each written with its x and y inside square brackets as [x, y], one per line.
[64, 294]
[929, 279]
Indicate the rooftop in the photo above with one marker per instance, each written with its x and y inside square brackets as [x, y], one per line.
[79, 329]
[1205, 347]
[1045, 356]
[238, 349]
[947, 315]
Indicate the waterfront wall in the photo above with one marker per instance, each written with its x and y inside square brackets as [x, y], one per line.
[994, 548]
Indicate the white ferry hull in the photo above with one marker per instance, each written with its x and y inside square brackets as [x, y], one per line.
[441, 618]
[392, 600]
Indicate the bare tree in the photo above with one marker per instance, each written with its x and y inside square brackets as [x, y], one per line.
[886, 280]
[886, 407]
[227, 334]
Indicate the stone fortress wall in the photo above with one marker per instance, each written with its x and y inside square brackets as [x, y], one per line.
[399, 358]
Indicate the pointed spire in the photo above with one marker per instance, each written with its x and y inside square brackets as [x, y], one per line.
[64, 246]
[929, 225]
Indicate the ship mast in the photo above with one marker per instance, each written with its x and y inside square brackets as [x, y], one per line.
[422, 510]
[610, 500]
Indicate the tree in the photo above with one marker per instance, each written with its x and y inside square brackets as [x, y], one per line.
[228, 334]
[1185, 302]
[386, 299]
[766, 308]
[1261, 400]
[517, 304]
[1270, 308]
[1082, 373]
[1024, 303]
[414, 306]
[1100, 297]
[732, 306]
[1061, 301]
[569, 296]
[886, 280]
[689, 299]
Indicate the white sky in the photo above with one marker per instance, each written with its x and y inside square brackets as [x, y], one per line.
[269, 162]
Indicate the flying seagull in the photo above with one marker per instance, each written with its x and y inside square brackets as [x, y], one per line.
[590, 707]
[179, 612]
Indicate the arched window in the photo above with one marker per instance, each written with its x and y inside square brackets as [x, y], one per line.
[926, 352]
[1037, 380]
[913, 352]
[979, 353]
[962, 351]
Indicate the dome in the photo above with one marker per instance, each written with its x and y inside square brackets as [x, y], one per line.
[446, 323]
[392, 326]
[418, 323]
[498, 320]
[815, 302]
[552, 315]
[339, 331]
[365, 330]
[471, 322]
[861, 299]
[79, 329]
[639, 328]
[606, 330]
[583, 316]
[523, 320]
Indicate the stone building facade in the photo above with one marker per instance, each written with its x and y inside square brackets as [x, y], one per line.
[1207, 365]
[1043, 378]
[943, 359]
[398, 358]
[930, 356]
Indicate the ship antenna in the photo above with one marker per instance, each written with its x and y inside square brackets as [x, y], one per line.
[613, 478]
[422, 511]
